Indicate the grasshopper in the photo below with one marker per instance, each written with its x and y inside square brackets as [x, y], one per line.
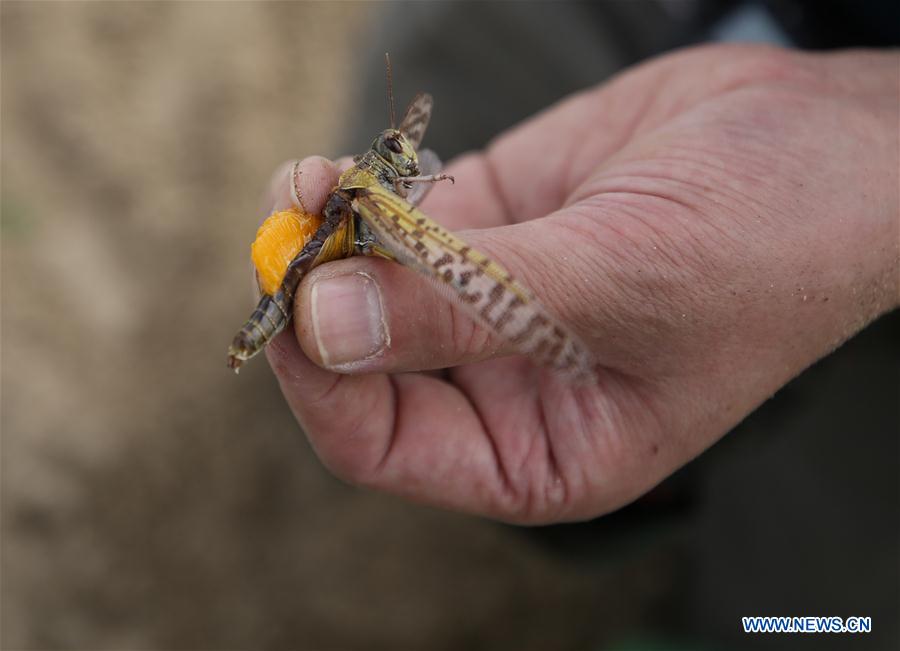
[372, 211]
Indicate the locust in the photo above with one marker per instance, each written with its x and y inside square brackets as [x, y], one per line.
[372, 211]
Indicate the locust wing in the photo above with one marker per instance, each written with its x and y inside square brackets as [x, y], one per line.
[481, 286]
[415, 120]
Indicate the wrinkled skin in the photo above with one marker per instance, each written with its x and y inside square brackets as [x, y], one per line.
[710, 223]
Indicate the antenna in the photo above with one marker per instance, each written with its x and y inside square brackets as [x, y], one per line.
[390, 87]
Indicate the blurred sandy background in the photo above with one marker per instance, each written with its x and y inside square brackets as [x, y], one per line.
[150, 498]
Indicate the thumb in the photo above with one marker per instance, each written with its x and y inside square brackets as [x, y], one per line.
[373, 315]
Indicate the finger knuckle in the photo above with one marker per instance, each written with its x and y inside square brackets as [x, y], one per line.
[467, 339]
[760, 65]
[352, 453]
[348, 466]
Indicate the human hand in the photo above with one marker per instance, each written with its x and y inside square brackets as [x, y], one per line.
[709, 223]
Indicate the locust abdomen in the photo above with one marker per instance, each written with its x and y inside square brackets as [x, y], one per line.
[287, 246]
[278, 241]
[280, 238]
[267, 320]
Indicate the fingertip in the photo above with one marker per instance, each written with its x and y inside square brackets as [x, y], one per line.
[312, 180]
[277, 193]
[305, 183]
[344, 163]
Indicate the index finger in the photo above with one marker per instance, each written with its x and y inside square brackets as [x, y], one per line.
[305, 184]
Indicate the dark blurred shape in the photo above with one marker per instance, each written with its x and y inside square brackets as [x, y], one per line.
[827, 24]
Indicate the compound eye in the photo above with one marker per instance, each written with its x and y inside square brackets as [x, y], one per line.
[393, 145]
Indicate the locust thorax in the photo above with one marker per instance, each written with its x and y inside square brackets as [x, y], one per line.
[393, 147]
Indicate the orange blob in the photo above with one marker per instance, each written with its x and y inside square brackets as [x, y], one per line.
[281, 237]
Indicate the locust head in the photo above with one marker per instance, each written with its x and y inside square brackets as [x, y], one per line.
[393, 147]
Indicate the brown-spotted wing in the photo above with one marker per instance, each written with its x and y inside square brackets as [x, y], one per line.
[478, 284]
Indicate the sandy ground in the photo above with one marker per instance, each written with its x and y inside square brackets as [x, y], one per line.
[150, 498]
